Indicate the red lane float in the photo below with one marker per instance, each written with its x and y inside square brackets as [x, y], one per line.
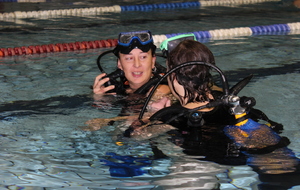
[34, 49]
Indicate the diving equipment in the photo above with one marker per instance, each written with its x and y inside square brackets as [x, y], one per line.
[169, 44]
[128, 41]
[126, 38]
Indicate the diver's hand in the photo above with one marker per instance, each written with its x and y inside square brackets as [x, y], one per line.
[99, 88]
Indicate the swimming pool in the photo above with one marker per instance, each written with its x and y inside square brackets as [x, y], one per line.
[46, 97]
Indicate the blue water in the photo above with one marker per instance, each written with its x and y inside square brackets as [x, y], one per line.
[46, 98]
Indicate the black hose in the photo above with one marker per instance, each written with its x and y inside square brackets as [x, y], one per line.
[99, 58]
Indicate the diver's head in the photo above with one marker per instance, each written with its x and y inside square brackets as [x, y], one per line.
[190, 50]
[196, 80]
[128, 41]
[136, 53]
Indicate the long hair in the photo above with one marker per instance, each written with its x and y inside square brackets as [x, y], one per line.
[196, 79]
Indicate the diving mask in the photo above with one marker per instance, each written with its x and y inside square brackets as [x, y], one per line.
[128, 41]
[169, 44]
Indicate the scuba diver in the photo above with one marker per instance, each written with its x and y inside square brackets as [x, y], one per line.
[136, 73]
[137, 70]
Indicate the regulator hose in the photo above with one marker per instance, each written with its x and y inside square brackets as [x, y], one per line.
[99, 58]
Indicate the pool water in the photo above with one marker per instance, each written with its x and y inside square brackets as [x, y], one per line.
[46, 98]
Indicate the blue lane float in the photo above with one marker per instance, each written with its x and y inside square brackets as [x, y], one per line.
[279, 28]
[149, 7]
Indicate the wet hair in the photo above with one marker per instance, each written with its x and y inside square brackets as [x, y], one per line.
[196, 79]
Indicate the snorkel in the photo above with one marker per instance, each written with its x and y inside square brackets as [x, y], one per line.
[169, 44]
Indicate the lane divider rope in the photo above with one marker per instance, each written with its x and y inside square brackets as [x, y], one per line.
[118, 8]
[276, 29]
[59, 47]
